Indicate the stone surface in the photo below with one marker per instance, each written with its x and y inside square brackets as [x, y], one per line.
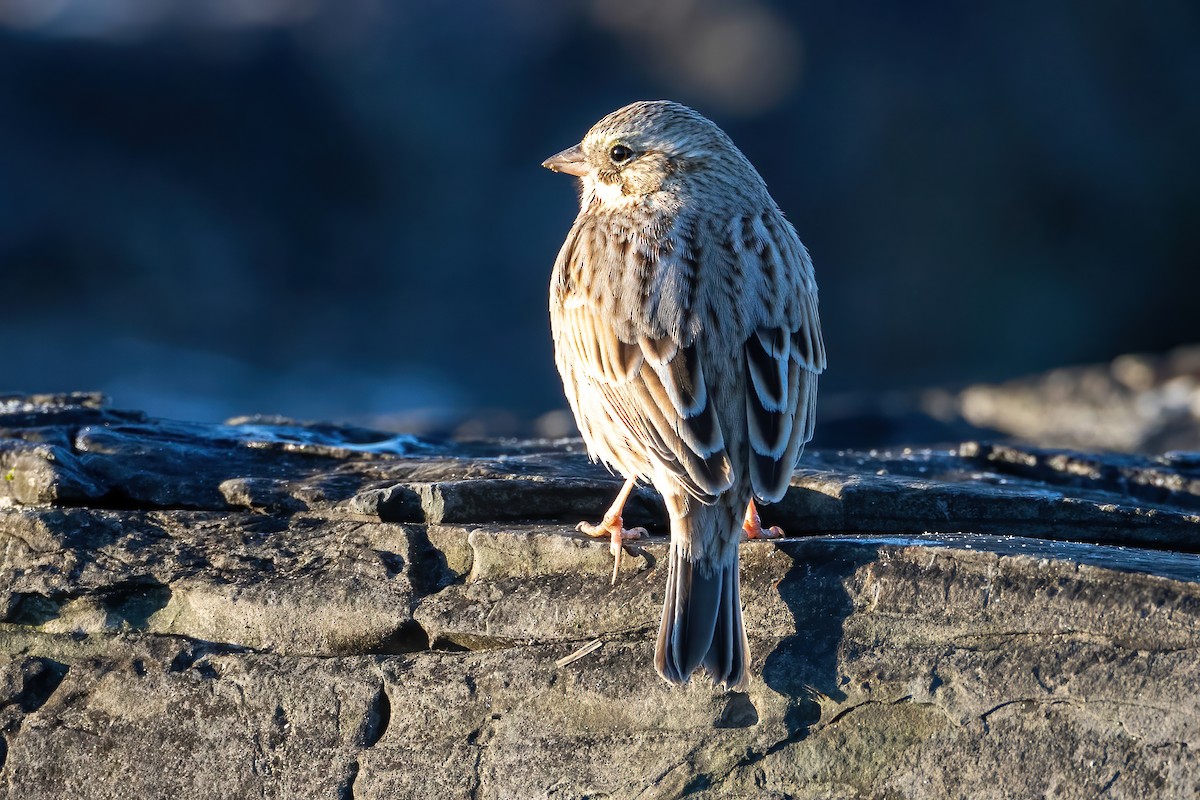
[268, 609]
[1136, 403]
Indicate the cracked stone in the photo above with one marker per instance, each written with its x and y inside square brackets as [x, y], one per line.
[275, 609]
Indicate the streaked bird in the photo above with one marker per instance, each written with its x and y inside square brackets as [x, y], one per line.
[684, 313]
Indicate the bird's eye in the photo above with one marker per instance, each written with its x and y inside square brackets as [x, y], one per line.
[620, 154]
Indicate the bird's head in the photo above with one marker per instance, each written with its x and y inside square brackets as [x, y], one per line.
[651, 148]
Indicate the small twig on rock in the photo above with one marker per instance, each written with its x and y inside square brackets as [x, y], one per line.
[588, 648]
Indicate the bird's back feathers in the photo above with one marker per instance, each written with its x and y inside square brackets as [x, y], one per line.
[684, 313]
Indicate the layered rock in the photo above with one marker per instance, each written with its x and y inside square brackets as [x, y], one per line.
[293, 611]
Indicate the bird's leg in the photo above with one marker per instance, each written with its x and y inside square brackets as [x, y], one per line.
[752, 525]
[612, 527]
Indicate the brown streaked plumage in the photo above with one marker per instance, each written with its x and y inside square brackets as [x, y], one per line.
[684, 314]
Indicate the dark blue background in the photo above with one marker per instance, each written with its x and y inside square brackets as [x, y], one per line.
[333, 208]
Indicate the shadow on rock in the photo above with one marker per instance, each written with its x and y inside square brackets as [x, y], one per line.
[804, 666]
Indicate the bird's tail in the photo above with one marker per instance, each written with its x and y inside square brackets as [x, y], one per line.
[702, 613]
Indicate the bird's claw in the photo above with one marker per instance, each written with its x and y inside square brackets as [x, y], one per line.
[752, 525]
[617, 535]
[773, 532]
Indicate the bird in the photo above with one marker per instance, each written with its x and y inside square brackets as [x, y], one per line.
[683, 310]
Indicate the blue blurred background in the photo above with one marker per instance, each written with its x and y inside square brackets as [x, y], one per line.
[333, 208]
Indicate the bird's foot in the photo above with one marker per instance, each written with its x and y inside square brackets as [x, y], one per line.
[752, 525]
[617, 534]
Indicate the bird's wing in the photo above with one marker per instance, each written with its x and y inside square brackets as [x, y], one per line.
[649, 381]
[784, 354]
[655, 390]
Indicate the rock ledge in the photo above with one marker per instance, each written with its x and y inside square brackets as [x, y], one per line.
[279, 610]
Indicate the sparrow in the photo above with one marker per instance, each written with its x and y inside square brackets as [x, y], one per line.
[683, 308]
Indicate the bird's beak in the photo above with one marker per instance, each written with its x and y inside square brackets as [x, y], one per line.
[570, 161]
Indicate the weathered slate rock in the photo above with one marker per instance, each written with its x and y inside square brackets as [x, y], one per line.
[287, 611]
